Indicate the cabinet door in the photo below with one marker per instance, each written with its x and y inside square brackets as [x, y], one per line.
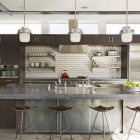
[43, 40]
[8, 39]
[107, 39]
[9, 54]
[136, 39]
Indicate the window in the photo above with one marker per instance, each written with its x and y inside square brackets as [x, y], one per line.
[115, 28]
[13, 28]
[63, 28]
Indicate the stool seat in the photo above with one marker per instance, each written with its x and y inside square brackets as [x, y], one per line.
[24, 113]
[60, 108]
[23, 109]
[137, 109]
[102, 108]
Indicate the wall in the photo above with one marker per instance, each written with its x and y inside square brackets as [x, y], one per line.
[75, 64]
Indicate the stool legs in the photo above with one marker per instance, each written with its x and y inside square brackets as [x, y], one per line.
[93, 125]
[103, 126]
[132, 125]
[60, 126]
[32, 125]
[103, 120]
[21, 125]
[68, 124]
[108, 125]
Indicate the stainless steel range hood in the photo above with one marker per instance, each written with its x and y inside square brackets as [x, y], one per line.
[73, 48]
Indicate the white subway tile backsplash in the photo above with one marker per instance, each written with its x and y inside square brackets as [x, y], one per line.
[75, 64]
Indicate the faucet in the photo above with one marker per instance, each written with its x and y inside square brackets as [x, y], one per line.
[55, 86]
[59, 80]
[88, 80]
[93, 88]
[65, 86]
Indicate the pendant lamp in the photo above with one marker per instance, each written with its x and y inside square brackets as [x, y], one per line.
[24, 32]
[75, 32]
[126, 32]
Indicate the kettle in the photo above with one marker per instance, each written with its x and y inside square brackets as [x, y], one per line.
[65, 74]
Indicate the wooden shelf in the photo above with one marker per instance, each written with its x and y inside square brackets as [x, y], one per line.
[30, 68]
[114, 56]
[105, 68]
[48, 56]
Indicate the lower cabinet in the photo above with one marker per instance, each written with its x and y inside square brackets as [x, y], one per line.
[7, 115]
[80, 117]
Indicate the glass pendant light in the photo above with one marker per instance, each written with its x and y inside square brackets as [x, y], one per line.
[126, 32]
[75, 32]
[24, 32]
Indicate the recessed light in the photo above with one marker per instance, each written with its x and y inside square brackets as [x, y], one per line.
[84, 7]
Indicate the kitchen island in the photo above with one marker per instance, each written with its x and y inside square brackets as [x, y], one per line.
[41, 91]
[80, 98]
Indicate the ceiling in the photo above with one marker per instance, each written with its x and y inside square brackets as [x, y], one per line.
[38, 11]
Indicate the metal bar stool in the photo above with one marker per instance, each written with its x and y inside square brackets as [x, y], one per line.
[61, 110]
[24, 111]
[103, 110]
[136, 109]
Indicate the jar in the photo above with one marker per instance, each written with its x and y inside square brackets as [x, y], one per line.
[65, 74]
[99, 53]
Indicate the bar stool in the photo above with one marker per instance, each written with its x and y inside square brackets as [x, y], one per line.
[24, 111]
[61, 110]
[136, 109]
[103, 110]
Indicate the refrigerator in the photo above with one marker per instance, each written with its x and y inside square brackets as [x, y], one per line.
[134, 63]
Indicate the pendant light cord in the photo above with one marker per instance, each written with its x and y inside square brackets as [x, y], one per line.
[24, 13]
[126, 13]
[75, 15]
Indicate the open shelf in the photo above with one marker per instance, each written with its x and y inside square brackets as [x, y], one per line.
[30, 68]
[48, 56]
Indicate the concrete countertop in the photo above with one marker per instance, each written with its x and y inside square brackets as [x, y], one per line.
[41, 91]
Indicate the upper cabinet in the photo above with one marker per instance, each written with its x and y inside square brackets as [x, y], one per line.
[9, 49]
[136, 39]
[43, 40]
[8, 39]
[9, 54]
[107, 39]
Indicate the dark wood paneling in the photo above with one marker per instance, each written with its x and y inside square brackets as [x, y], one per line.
[107, 39]
[136, 39]
[9, 54]
[124, 58]
[7, 115]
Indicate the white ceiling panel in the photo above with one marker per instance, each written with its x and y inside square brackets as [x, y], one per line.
[68, 5]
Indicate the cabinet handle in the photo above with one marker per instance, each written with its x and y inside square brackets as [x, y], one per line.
[0, 40]
[38, 39]
[8, 80]
[111, 39]
[35, 39]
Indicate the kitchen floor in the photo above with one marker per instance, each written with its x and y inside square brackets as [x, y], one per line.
[9, 134]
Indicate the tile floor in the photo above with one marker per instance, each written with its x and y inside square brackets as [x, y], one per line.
[9, 134]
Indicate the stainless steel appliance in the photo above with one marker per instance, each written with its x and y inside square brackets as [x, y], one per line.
[134, 63]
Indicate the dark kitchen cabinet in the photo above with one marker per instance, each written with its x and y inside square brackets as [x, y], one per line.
[136, 39]
[43, 40]
[107, 39]
[8, 116]
[9, 54]
[9, 39]
[65, 40]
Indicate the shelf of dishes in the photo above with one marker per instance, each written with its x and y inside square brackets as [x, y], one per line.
[8, 71]
[41, 65]
[41, 54]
